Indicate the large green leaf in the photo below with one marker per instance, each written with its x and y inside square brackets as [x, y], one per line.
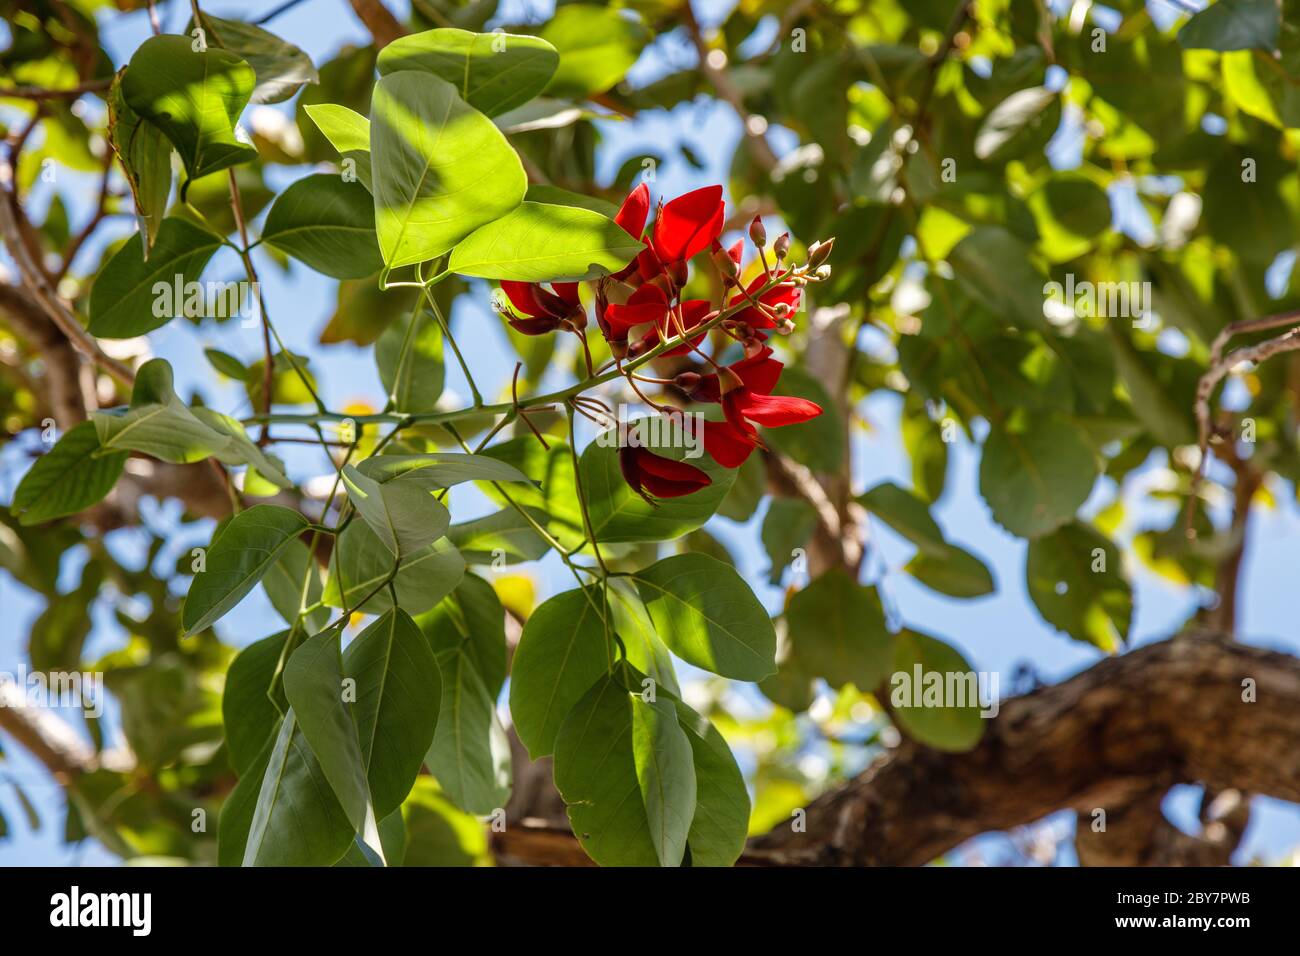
[934, 693]
[68, 478]
[441, 169]
[993, 265]
[146, 158]
[470, 754]
[1233, 25]
[132, 296]
[472, 619]
[493, 72]
[504, 535]
[248, 715]
[626, 772]
[561, 652]
[329, 224]
[538, 242]
[398, 694]
[1076, 580]
[158, 423]
[721, 823]
[313, 684]
[194, 97]
[646, 651]
[707, 615]
[404, 516]
[619, 514]
[297, 820]
[597, 46]
[280, 67]
[1034, 480]
[244, 550]
[838, 631]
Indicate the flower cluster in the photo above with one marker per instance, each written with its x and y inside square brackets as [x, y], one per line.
[643, 306]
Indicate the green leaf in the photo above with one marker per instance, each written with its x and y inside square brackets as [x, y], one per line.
[505, 534]
[158, 423]
[239, 449]
[195, 98]
[994, 267]
[244, 550]
[1006, 121]
[398, 695]
[1233, 25]
[470, 754]
[1076, 580]
[1035, 480]
[787, 526]
[296, 571]
[439, 470]
[561, 653]
[297, 820]
[409, 357]
[404, 516]
[327, 223]
[132, 296]
[925, 672]
[619, 514]
[646, 651]
[625, 770]
[68, 478]
[597, 46]
[472, 619]
[538, 242]
[493, 72]
[956, 573]
[838, 631]
[240, 805]
[280, 67]
[313, 684]
[250, 719]
[944, 567]
[721, 823]
[146, 158]
[363, 562]
[441, 169]
[556, 196]
[707, 615]
[347, 130]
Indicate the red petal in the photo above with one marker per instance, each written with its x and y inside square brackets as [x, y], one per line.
[774, 410]
[538, 326]
[726, 446]
[632, 214]
[568, 293]
[789, 294]
[737, 250]
[523, 296]
[647, 304]
[688, 224]
[759, 372]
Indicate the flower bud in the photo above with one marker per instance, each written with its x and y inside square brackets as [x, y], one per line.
[782, 246]
[726, 265]
[637, 348]
[823, 272]
[688, 381]
[819, 252]
[785, 326]
[757, 234]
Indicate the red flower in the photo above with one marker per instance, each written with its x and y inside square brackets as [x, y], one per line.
[694, 312]
[789, 295]
[688, 224]
[647, 304]
[650, 475]
[726, 446]
[634, 211]
[731, 441]
[741, 406]
[759, 373]
[546, 311]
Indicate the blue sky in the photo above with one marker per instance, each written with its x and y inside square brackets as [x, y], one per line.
[995, 633]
